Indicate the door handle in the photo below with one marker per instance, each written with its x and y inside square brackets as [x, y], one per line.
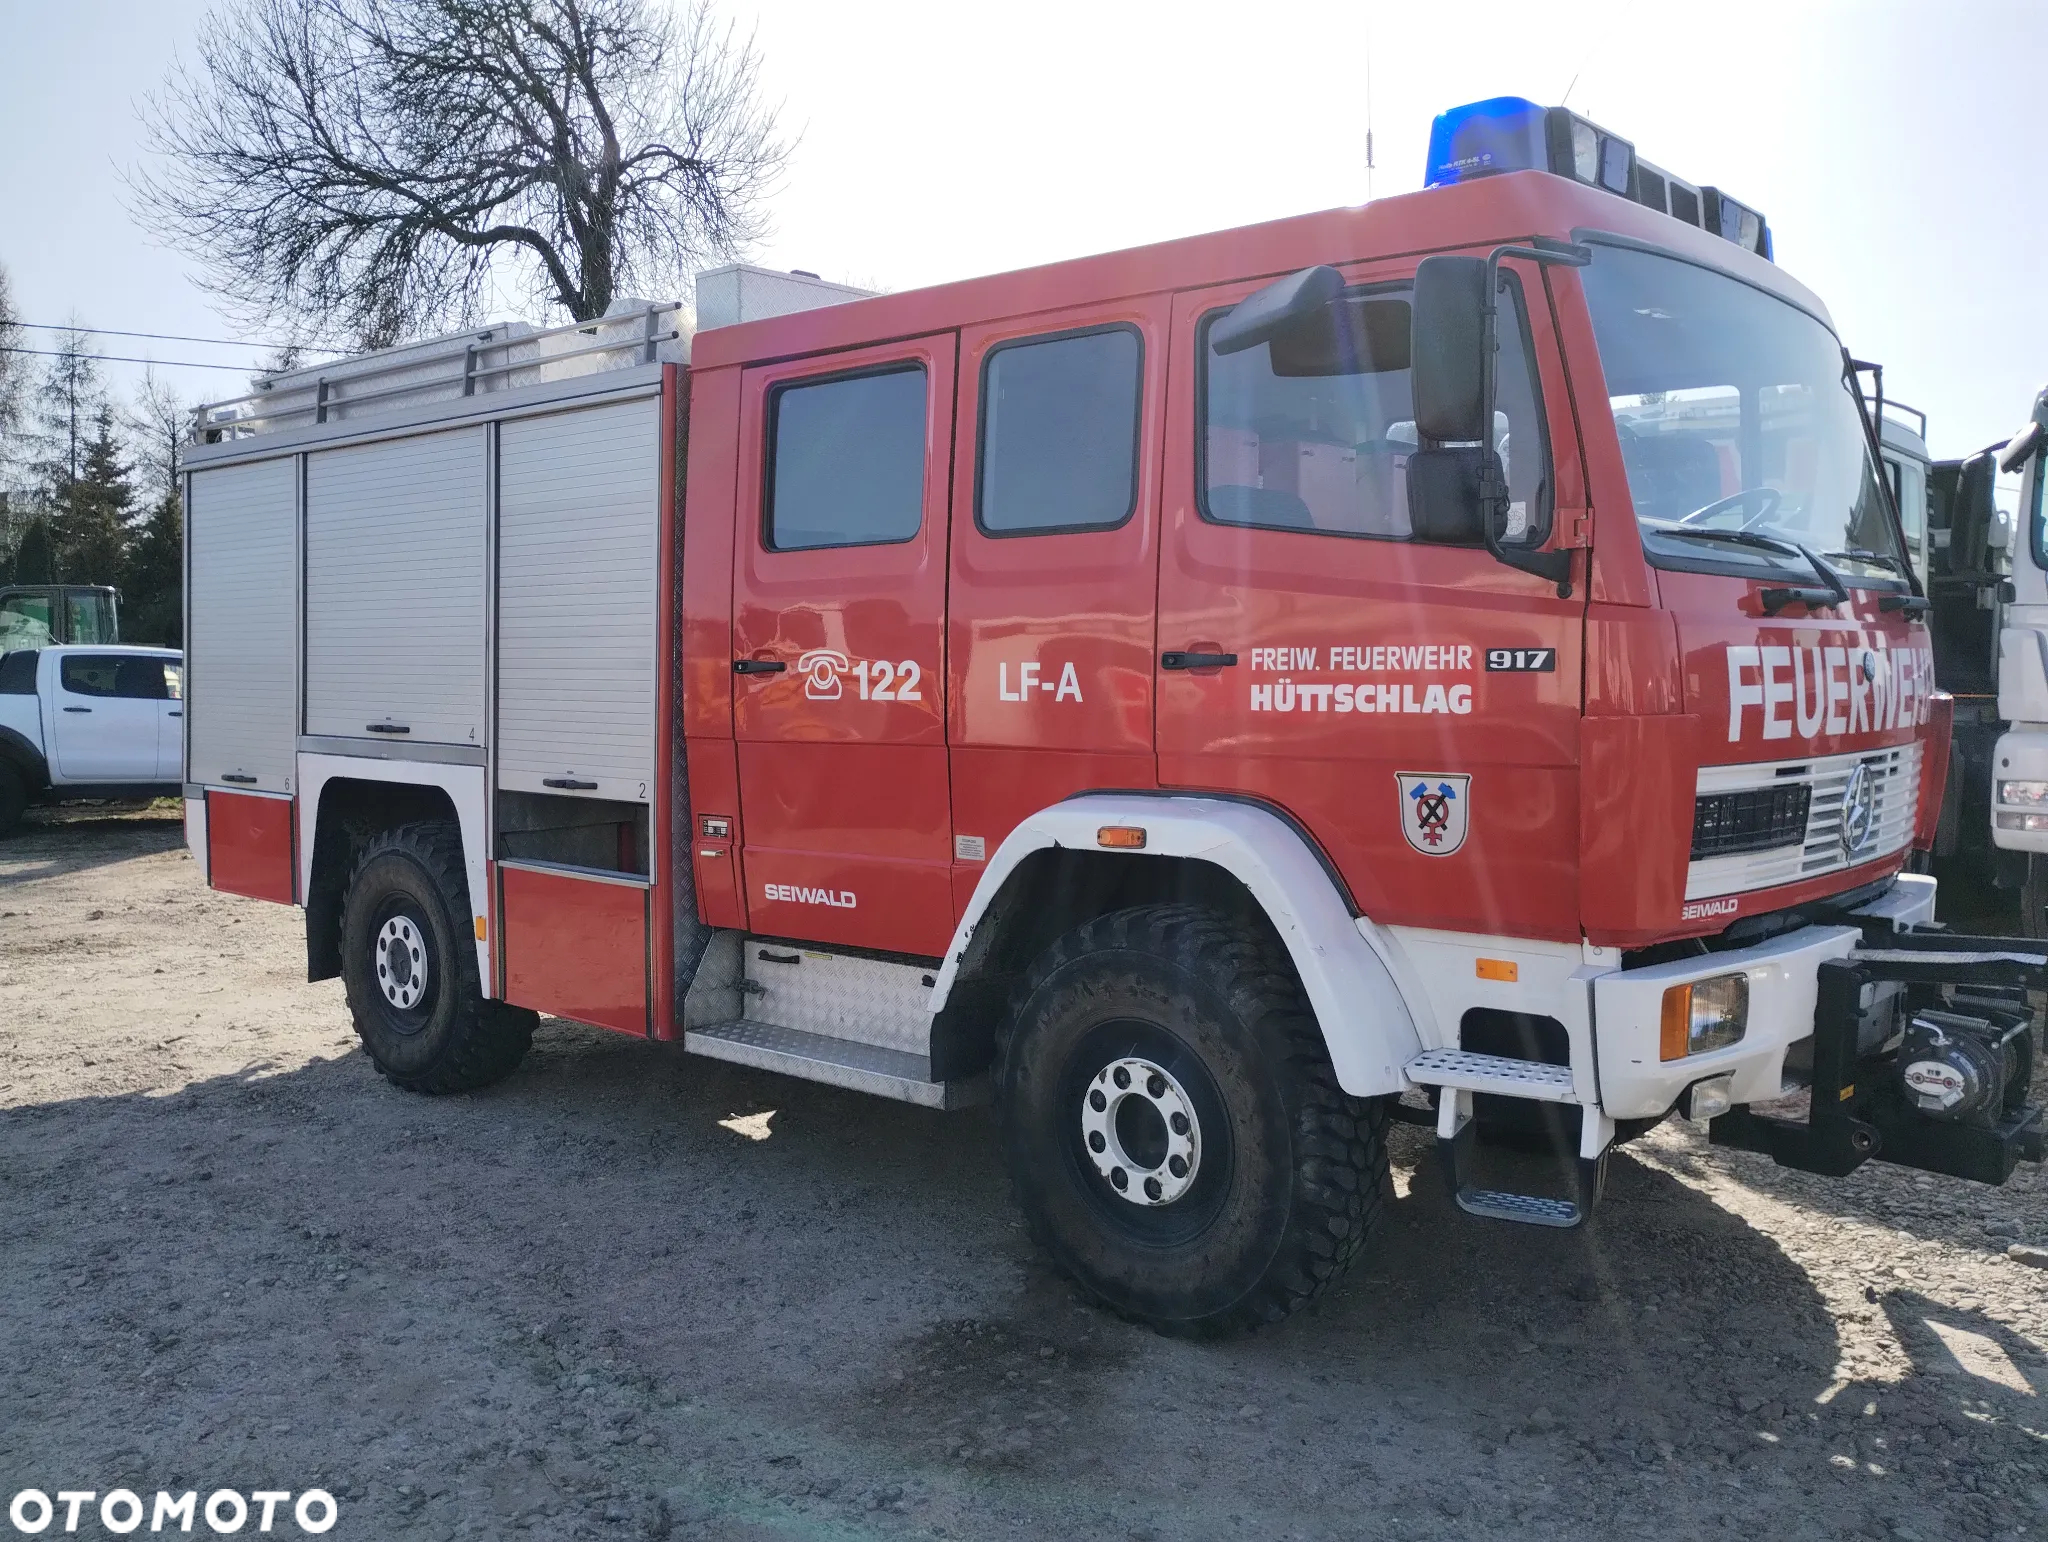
[1196, 660]
[758, 666]
[568, 783]
[387, 728]
[235, 776]
[175, 714]
[78, 709]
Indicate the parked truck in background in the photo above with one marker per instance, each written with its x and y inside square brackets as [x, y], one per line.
[1430, 659]
[2016, 785]
[1964, 548]
[37, 615]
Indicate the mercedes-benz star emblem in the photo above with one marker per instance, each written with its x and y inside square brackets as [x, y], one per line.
[1859, 810]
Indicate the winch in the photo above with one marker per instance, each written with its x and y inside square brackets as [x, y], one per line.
[1956, 1065]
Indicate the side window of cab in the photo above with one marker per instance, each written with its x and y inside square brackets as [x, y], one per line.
[1313, 430]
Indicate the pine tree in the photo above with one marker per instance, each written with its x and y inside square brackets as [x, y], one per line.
[34, 562]
[153, 582]
[66, 403]
[91, 533]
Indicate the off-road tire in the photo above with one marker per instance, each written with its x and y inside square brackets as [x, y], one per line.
[1293, 1172]
[2033, 894]
[13, 799]
[452, 1039]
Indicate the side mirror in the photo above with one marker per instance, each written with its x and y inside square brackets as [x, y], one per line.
[1972, 517]
[1446, 502]
[1447, 349]
[2019, 447]
[1260, 317]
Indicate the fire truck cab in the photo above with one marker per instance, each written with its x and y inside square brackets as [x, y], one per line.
[1438, 659]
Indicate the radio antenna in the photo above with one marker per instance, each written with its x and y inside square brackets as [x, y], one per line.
[1368, 105]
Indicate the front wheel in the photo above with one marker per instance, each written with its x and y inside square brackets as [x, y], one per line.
[409, 967]
[2034, 897]
[13, 798]
[1174, 1129]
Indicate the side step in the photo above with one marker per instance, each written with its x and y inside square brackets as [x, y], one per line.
[887, 1073]
[1458, 1074]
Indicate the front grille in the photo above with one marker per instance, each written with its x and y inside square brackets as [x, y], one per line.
[1816, 845]
[1724, 823]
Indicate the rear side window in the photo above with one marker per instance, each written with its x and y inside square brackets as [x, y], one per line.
[18, 672]
[144, 678]
[1059, 433]
[846, 460]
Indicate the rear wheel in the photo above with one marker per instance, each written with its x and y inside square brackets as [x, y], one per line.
[409, 967]
[1177, 1137]
[13, 798]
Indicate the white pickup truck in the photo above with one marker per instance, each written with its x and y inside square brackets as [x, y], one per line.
[90, 722]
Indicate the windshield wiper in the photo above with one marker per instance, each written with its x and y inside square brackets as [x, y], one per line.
[1882, 559]
[1772, 543]
[1777, 597]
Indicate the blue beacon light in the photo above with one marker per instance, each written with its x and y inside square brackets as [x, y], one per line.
[1512, 133]
[1503, 133]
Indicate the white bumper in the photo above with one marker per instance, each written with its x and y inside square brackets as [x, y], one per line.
[1783, 987]
[2021, 756]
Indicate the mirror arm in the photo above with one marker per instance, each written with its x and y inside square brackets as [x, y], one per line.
[1873, 437]
[1556, 566]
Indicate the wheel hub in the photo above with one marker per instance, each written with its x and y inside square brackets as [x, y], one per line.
[401, 962]
[1140, 1131]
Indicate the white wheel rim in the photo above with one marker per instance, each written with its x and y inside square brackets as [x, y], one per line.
[401, 963]
[1174, 1173]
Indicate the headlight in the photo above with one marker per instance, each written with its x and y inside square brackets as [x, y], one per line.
[2023, 793]
[2010, 821]
[1705, 1015]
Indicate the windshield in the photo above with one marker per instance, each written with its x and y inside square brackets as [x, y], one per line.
[1738, 428]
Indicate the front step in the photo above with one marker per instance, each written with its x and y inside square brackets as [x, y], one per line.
[1494, 1074]
[1459, 1075]
[817, 1057]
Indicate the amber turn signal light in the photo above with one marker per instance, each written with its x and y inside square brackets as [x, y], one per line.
[1121, 837]
[1703, 1015]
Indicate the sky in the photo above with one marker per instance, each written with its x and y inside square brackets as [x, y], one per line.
[1889, 145]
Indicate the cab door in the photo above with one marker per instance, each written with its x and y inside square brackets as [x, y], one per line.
[839, 665]
[107, 718]
[1414, 706]
[1054, 564]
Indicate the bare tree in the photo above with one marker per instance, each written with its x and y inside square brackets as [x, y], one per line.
[13, 371]
[158, 422]
[13, 366]
[363, 170]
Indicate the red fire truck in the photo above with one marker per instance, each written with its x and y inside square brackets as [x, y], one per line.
[1440, 659]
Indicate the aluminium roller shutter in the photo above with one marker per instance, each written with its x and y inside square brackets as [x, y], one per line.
[240, 684]
[395, 554]
[579, 547]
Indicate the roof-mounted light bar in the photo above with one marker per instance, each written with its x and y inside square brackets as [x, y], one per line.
[1511, 133]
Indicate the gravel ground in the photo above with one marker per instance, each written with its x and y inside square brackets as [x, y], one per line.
[633, 1294]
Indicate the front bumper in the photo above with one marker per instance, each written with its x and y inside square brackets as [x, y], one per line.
[1784, 975]
[1832, 998]
[1856, 1110]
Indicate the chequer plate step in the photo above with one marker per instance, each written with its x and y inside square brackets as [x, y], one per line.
[1496, 1074]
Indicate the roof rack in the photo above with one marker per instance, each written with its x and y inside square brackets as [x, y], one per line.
[500, 357]
[1889, 406]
